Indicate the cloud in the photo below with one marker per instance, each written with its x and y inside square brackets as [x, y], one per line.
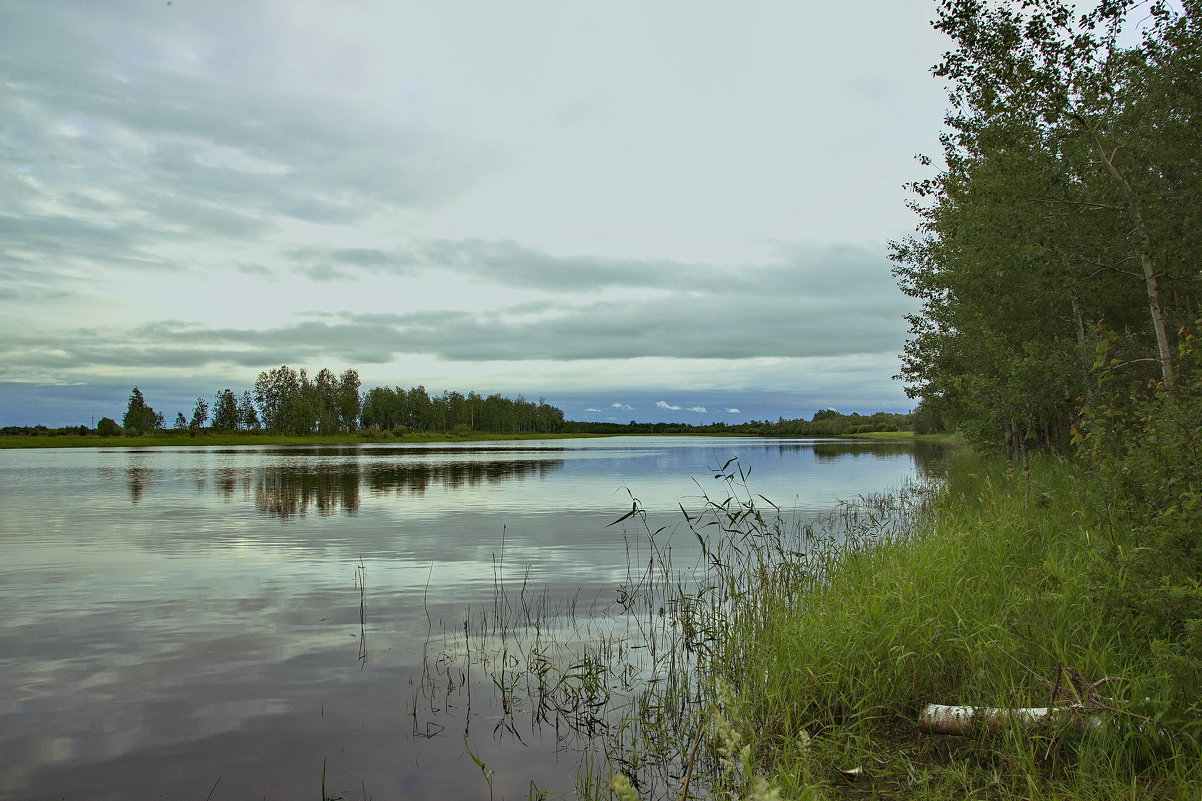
[504, 263]
[816, 302]
[699, 409]
[736, 323]
[799, 271]
[590, 409]
[180, 162]
[733, 411]
[128, 153]
[763, 327]
[666, 405]
[622, 406]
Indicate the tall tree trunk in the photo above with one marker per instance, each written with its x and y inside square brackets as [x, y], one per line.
[1144, 241]
[1079, 320]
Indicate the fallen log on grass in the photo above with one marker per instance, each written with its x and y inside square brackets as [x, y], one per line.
[969, 721]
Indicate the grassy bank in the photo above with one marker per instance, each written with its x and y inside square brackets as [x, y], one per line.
[208, 439]
[810, 661]
[996, 599]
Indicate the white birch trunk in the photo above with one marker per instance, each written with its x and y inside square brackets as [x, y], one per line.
[969, 721]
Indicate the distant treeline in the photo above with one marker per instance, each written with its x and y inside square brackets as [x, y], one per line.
[288, 401]
[825, 423]
[386, 409]
[43, 431]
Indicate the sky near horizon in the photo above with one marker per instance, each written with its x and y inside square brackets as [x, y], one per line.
[655, 211]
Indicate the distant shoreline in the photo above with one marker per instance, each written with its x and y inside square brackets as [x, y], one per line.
[210, 439]
[184, 439]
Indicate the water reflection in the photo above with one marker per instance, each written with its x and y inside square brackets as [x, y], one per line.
[284, 492]
[927, 456]
[417, 477]
[163, 629]
[293, 488]
[225, 479]
[137, 474]
[291, 483]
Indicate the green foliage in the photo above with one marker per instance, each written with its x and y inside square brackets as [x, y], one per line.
[347, 402]
[282, 405]
[225, 411]
[139, 417]
[926, 420]
[45, 431]
[248, 417]
[1146, 449]
[1057, 254]
[288, 402]
[415, 410]
[107, 427]
[1067, 199]
[830, 423]
[200, 415]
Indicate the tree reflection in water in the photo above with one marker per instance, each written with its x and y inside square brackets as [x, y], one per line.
[287, 491]
[295, 488]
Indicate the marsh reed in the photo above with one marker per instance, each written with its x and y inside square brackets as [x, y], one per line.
[631, 684]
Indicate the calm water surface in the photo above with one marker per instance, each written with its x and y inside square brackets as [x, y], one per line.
[175, 619]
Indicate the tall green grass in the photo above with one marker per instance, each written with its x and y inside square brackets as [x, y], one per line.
[991, 599]
[794, 659]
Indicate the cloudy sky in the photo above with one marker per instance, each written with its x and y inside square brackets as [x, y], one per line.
[639, 210]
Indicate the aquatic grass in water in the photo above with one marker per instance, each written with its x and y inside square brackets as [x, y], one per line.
[361, 583]
[790, 658]
[631, 684]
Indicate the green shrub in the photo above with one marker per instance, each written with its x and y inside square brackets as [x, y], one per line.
[1147, 454]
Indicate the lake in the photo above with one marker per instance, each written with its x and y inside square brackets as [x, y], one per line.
[263, 622]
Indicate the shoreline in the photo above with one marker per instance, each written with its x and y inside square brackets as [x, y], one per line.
[996, 596]
[224, 439]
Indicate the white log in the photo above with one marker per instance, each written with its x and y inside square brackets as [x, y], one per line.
[969, 721]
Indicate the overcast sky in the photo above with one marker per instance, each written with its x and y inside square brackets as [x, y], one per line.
[639, 210]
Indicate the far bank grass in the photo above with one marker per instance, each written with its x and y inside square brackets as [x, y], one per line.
[995, 600]
[209, 439]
